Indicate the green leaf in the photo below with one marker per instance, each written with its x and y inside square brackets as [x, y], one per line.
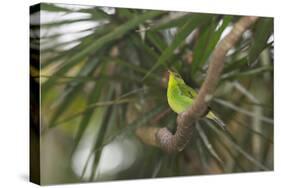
[101, 135]
[143, 48]
[238, 74]
[92, 98]
[95, 12]
[207, 144]
[207, 42]
[156, 39]
[263, 30]
[142, 120]
[54, 46]
[158, 166]
[195, 21]
[91, 106]
[231, 141]
[252, 131]
[53, 8]
[60, 23]
[169, 22]
[236, 65]
[136, 68]
[72, 90]
[69, 54]
[102, 41]
[233, 156]
[242, 110]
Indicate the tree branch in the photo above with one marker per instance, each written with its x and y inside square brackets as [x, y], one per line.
[186, 120]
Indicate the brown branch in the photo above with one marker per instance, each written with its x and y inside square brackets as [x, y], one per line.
[186, 120]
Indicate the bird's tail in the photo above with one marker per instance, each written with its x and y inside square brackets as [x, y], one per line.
[215, 118]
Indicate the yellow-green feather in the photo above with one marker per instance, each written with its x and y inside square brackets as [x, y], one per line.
[180, 96]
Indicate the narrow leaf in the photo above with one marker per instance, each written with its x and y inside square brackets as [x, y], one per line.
[243, 111]
[170, 21]
[230, 140]
[92, 98]
[207, 42]
[207, 144]
[132, 126]
[263, 30]
[183, 32]
[104, 40]
[72, 90]
[100, 139]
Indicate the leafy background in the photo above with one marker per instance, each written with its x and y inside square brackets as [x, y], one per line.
[103, 74]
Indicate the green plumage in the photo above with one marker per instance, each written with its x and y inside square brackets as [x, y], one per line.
[180, 96]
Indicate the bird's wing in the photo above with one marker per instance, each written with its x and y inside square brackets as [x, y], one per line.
[188, 91]
[178, 101]
[185, 95]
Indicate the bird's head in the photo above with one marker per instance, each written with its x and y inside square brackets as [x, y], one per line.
[174, 77]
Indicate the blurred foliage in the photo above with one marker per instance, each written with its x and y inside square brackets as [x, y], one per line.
[109, 78]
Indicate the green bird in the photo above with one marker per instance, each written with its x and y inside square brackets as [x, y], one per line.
[180, 96]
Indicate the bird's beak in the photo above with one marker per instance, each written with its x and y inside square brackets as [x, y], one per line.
[167, 74]
[169, 71]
